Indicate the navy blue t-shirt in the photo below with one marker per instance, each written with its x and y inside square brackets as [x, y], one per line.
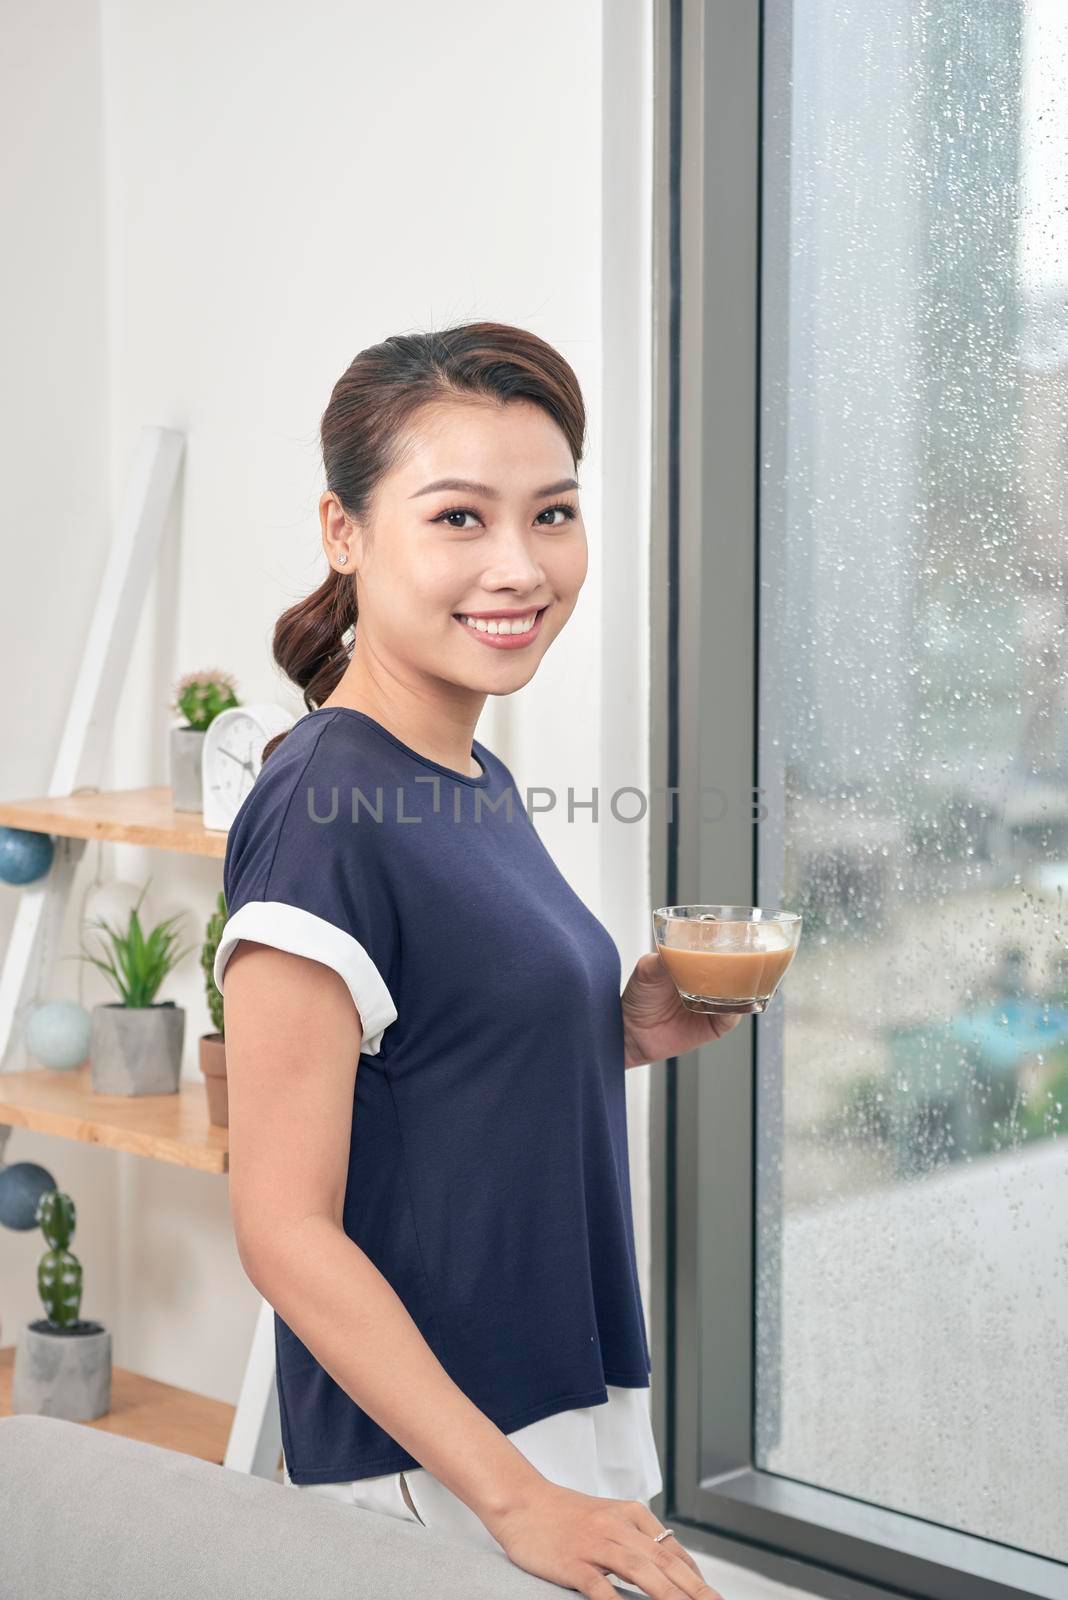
[488, 1177]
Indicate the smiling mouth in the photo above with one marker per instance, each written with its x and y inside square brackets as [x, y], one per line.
[488, 628]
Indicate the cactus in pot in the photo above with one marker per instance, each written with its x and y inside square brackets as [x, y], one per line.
[213, 1045]
[198, 699]
[59, 1273]
[62, 1363]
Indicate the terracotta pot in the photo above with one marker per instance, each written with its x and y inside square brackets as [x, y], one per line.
[213, 1066]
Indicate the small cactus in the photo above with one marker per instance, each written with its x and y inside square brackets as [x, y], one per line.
[59, 1275]
[200, 696]
[216, 923]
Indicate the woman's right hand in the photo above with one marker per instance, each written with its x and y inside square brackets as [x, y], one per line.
[574, 1539]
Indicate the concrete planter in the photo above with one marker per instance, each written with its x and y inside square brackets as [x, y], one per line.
[136, 1049]
[187, 748]
[213, 1066]
[62, 1372]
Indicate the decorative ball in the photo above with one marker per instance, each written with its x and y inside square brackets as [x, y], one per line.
[24, 856]
[57, 1034]
[21, 1187]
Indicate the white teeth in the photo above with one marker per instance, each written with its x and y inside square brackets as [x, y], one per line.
[519, 625]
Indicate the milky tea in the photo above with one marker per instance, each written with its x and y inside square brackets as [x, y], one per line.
[726, 958]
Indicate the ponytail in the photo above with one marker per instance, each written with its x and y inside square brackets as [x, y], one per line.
[310, 645]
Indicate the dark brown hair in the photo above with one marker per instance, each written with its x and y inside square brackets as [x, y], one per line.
[363, 431]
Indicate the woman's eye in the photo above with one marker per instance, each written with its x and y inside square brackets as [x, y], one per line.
[567, 514]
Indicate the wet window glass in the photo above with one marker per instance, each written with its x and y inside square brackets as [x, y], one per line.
[912, 1282]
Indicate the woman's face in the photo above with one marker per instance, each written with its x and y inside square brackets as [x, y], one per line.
[510, 539]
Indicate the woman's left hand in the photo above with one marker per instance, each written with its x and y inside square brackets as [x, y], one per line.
[656, 1024]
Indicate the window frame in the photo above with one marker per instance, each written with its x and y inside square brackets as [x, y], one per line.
[718, 239]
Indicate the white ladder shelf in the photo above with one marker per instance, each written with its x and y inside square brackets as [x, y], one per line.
[255, 1442]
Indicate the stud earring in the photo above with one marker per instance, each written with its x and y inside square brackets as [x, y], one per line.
[342, 558]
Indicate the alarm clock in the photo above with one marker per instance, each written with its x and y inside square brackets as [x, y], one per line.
[232, 757]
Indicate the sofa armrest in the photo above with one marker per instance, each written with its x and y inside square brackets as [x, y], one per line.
[89, 1515]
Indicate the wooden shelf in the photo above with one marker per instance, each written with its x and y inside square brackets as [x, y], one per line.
[124, 816]
[166, 1127]
[156, 1413]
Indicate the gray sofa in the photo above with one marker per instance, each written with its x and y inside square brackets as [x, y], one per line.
[87, 1515]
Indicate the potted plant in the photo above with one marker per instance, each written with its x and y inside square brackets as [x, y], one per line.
[135, 1042]
[62, 1364]
[198, 698]
[213, 1045]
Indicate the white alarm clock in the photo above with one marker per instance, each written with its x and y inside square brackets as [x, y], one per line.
[233, 755]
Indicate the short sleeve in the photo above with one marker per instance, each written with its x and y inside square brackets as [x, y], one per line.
[300, 875]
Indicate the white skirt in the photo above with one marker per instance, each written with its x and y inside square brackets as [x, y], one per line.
[605, 1450]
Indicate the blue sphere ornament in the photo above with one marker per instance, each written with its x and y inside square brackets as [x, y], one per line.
[24, 856]
[57, 1034]
[21, 1187]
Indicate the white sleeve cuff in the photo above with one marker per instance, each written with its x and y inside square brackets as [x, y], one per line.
[302, 933]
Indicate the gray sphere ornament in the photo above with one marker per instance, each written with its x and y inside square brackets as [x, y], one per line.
[21, 1188]
[25, 856]
[57, 1034]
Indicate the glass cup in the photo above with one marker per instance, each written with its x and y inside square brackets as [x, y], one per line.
[726, 958]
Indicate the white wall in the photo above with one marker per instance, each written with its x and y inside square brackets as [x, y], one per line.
[54, 442]
[218, 207]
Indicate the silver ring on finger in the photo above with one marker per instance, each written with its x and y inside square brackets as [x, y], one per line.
[667, 1534]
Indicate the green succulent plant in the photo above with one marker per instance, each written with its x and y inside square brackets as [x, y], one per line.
[59, 1273]
[137, 964]
[200, 696]
[208, 951]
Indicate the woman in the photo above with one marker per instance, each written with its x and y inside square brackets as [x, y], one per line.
[426, 1041]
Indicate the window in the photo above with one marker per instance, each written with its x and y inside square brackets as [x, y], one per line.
[863, 1299]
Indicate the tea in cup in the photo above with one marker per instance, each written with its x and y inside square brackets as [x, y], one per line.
[726, 958]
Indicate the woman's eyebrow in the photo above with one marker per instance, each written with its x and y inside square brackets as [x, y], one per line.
[466, 486]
